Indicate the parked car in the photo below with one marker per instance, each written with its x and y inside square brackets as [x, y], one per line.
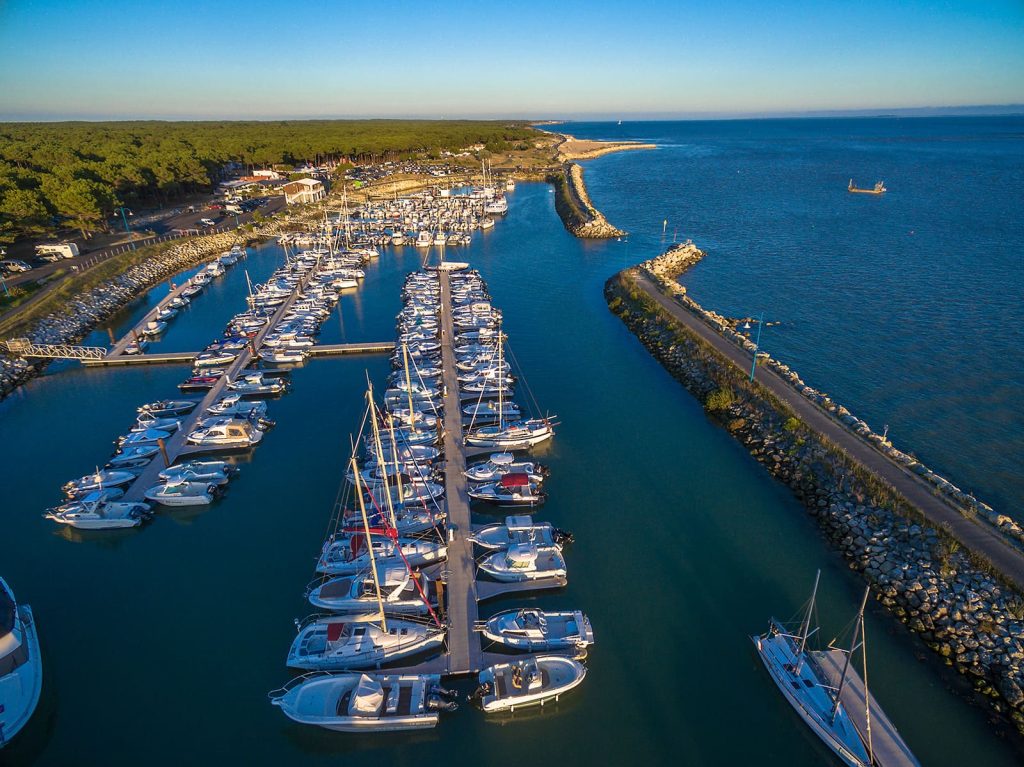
[49, 258]
[207, 222]
[13, 265]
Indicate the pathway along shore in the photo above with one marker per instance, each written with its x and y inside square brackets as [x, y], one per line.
[954, 580]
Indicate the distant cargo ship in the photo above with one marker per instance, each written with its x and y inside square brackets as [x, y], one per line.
[879, 189]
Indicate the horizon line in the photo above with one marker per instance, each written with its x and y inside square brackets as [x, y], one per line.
[602, 116]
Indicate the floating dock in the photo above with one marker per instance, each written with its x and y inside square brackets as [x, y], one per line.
[177, 358]
[136, 332]
[176, 445]
[465, 653]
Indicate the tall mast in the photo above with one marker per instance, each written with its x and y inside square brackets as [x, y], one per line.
[853, 649]
[379, 451]
[408, 386]
[369, 544]
[501, 382]
[805, 627]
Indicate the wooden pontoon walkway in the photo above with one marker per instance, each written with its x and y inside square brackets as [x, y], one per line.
[136, 332]
[465, 654]
[176, 445]
[165, 358]
[887, 747]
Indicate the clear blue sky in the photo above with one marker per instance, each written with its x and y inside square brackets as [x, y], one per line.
[64, 59]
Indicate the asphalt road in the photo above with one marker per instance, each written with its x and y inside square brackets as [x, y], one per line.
[101, 243]
[974, 535]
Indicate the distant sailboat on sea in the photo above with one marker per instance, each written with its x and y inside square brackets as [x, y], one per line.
[879, 188]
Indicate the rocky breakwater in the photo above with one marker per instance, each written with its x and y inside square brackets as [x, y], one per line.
[573, 204]
[950, 599]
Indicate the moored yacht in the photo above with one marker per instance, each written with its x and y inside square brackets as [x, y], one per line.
[335, 643]
[528, 682]
[21, 665]
[533, 630]
[364, 703]
[524, 562]
[93, 512]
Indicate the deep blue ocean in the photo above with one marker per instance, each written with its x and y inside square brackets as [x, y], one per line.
[908, 308]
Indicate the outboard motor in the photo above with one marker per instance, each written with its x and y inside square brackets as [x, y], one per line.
[562, 537]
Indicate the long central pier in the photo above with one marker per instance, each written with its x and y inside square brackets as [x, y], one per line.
[465, 654]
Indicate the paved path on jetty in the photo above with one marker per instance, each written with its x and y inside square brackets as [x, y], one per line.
[975, 536]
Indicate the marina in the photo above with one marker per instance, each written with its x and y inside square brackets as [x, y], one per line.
[288, 519]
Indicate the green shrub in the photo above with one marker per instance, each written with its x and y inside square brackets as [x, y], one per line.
[720, 399]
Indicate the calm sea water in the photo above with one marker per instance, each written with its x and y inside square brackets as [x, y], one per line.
[907, 307]
[160, 645]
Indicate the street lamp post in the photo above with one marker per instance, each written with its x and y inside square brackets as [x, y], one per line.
[757, 346]
[124, 218]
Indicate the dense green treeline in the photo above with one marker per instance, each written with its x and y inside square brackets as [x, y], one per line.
[81, 172]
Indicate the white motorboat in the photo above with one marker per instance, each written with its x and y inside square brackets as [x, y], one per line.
[500, 464]
[519, 529]
[98, 481]
[168, 407]
[364, 703]
[143, 438]
[154, 328]
[94, 513]
[133, 456]
[253, 384]
[226, 432]
[146, 421]
[424, 239]
[336, 643]
[215, 359]
[211, 472]
[290, 356]
[524, 562]
[21, 665]
[136, 347]
[528, 682]
[348, 554]
[179, 302]
[510, 490]
[533, 630]
[181, 492]
[233, 404]
[166, 313]
[400, 592]
[518, 435]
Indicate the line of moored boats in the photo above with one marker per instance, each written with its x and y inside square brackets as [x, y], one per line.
[379, 584]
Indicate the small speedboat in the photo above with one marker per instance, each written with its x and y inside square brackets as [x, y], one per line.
[168, 407]
[528, 682]
[533, 630]
[233, 404]
[524, 562]
[211, 472]
[136, 347]
[290, 356]
[98, 481]
[145, 437]
[91, 513]
[154, 328]
[226, 432]
[146, 421]
[336, 643]
[213, 359]
[519, 529]
[510, 490]
[364, 703]
[199, 382]
[179, 302]
[499, 464]
[21, 665]
[254, 384]
[131, 456]
[181, 492]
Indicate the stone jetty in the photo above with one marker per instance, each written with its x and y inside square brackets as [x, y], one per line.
[573, 204]
[953, 600]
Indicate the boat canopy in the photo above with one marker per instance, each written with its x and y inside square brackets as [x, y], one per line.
[515, 480]
[367, 697]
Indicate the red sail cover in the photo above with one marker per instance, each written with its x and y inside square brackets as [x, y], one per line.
[515, 480]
